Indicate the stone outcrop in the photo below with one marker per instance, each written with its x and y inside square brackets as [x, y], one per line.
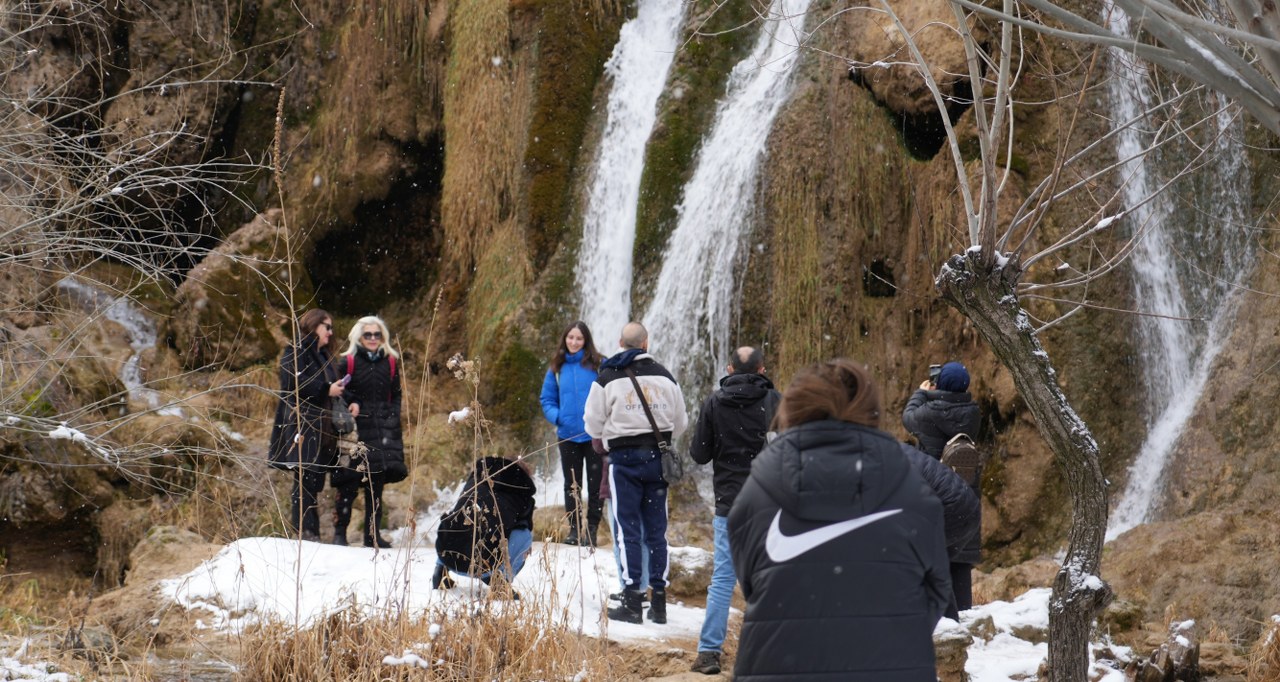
[230, 311]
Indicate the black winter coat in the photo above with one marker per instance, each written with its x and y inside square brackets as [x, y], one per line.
[838, 545]
[378, 425]
[497, 498]
[731, 430]
[961, 511]
[934, 417]
[305, 375]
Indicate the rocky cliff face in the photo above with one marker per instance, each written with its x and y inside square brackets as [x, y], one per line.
[427, 159]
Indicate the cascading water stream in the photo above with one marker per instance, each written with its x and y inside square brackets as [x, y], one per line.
[638, 68]
[140, 329]
[688, 319]
[1177, 354]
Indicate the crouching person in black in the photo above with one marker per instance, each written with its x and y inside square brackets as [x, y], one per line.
[490, 529]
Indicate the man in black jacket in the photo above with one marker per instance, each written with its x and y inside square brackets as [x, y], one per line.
[935, 413]
[732, 429]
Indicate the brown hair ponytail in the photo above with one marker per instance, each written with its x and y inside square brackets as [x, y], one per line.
[836, 389]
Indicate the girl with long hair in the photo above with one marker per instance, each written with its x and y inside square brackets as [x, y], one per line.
[573, 369]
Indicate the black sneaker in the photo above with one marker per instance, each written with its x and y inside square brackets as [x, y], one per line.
[707, 663]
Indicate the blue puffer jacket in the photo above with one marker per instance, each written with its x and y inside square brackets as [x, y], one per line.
[564, 398]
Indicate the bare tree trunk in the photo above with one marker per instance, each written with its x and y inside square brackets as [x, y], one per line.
[985, 295]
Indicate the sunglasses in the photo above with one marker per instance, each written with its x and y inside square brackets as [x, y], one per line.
[326, 325]
[371, 335]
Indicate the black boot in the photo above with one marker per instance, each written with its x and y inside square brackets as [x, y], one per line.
[340, 536]
[376, 539]
[590, 539]
[629, 610]
[658, 607]
[441, 580]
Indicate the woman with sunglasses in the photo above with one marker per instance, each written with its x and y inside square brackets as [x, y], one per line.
[373, 396]
[302, 441]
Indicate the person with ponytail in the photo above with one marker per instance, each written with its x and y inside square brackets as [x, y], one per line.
[838, 542]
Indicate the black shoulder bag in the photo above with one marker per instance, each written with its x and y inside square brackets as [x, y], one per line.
[672, 468]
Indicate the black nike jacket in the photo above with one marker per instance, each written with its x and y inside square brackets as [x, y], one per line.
[838, 544]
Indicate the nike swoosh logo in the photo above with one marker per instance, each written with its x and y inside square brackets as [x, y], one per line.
[787, 547]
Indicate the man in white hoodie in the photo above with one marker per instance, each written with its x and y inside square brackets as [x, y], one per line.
[629, 382]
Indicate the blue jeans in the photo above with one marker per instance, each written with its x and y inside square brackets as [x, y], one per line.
[720, 591]
[617, 552]
[518, 545]
[640, 502]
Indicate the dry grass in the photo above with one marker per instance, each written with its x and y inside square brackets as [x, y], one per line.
[510, 640]
[1264, 657]
[486, 104]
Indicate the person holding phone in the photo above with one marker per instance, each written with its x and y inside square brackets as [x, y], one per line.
[302, 441]
[939, 410]
[374, 397]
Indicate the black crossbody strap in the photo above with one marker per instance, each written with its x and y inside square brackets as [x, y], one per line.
[653, 423]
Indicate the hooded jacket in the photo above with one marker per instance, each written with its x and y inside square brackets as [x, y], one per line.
[564, 397]
[838, 545]
[732, 429]
[934, 417]
[497, 498]
[613, 413]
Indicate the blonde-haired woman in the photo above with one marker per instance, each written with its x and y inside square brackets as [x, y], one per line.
[373, 396]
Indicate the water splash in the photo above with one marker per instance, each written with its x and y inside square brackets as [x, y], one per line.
[140, 329]
[638, 69]
[1171, 278]
[689, 316]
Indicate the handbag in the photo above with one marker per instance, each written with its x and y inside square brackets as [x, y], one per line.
[672, 466]
[341, 418]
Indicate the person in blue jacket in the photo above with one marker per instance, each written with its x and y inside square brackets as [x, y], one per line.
[564, 396]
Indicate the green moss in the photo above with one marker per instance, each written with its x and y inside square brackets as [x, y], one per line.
[699, 73]
[513, 385]
[572, 51]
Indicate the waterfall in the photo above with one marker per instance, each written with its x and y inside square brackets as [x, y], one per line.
[1168, 280]
[638, 68]
[140, 329]
[689, 317]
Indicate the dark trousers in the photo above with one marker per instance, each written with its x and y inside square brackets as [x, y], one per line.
[304, 500]
[640, 501]
[372, 507]
[962, 587]
[574, 457]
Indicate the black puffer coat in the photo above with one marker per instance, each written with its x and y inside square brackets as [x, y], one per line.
[838, 544]
[305, 375]
[961, 511]
[731, 431]
[934, 417]
[497, 498]
[378, 425]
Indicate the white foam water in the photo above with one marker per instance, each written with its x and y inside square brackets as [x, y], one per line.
[1177, 354]
[638, 71]
[689, 316]
[140, 329]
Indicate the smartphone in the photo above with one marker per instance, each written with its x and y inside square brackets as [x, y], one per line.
[346, 380]
[934, 371]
